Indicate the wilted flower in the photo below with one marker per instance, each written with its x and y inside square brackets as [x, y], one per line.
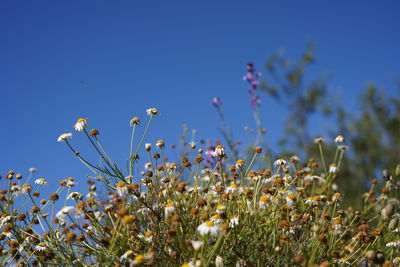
[134, 121]
[75, 196]
[62, 138]
[32, 170]
[80, 124]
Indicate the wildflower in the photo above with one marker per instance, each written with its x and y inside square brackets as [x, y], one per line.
[216, 102]
[127, 255]
[239, 164]
[147, 146]
[233, 188]
[148, 236]
[80, 125]
[312, 201]
[319, 140]
[394, 244]
[197, 244]
[294, 159]
[221, 209]
[65, 211]
[263, 202]
[122, 189]
[94, 132]
[208, 227]
[333, 168]
[344, 261]
[233, 222]
[152, 111]
[339, 139]
[160, 144]
[219, 261]
[75, 196]
[280, 163]
[137, 260]
[134, 121]
[169, 209]
[219, 151]
[41, 181]
[216, 219]
[40, 247]
[62, 138]
[192, 144]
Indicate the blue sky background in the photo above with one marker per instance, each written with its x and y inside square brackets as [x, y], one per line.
[173, 55]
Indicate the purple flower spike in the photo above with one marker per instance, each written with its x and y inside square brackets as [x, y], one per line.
[216, 102]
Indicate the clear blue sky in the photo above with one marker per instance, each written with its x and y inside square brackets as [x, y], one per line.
[173, 55]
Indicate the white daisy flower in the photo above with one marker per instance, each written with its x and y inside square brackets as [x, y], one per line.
[263, 202]
[152, 111]
[319, 140]
[281, 163]
[65, 211]
[75, 196]
[147, 146]
[80, 125]
[26, 188]
[122, 189]
[233, 188]
[127, 255]
[394, 244]
[40, 247]
[339, 139]
[62, 138]
[221, 209]
[239, 164]
[169, 209]
[41, 181]
[233, 222]
[219, 151]
[197, 244]
[208, 228]
[333, 168]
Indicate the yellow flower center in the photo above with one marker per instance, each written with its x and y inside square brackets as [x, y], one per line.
[209, 223]
[233, 186]
[139, 258]
[121, 184]
[264, 199]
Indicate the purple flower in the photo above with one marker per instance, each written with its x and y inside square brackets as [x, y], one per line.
[255, 101]
[216, 102]
[252, 78]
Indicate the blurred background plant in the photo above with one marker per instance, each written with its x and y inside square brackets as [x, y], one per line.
[372, 133]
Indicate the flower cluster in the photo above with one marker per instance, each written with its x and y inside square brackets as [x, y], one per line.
[196, 213]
